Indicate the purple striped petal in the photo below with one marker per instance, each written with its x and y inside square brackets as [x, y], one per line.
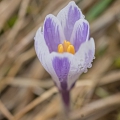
[44, 55]
[68, 16]
[61, 67]
[80, 33]
[53, 33]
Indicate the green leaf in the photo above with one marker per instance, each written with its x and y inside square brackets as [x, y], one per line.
[12, 20]
[97, 9]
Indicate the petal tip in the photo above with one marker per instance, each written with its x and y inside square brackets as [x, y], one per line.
[50, 16]
[92, 42]
[72, 3]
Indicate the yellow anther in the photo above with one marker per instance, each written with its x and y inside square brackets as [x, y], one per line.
[60, 48]
[65, 45]
[71, 49]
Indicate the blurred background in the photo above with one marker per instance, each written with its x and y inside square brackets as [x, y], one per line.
[26, 89]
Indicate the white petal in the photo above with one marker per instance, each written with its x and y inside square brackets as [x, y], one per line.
[81, 61]
[44, 56]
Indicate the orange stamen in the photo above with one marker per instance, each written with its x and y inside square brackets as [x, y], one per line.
[60, 48]
[71, 49]
[66, 47]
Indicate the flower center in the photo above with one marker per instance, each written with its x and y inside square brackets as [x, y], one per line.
[66, 47]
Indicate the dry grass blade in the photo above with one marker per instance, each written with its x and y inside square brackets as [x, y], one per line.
[34, 103]
[107, 61]
[25, 82]
[109, 16]
[85, 4]
[84, 113]
[5, 111]
[16, 28]
[49, 112]
[8, 10]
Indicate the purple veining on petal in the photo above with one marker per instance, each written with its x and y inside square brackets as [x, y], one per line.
[73, 16]
[80, 33]
[68, 16]
[52, 33]
[61, 67]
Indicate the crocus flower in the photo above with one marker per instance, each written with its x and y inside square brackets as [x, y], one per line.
[64, 48]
